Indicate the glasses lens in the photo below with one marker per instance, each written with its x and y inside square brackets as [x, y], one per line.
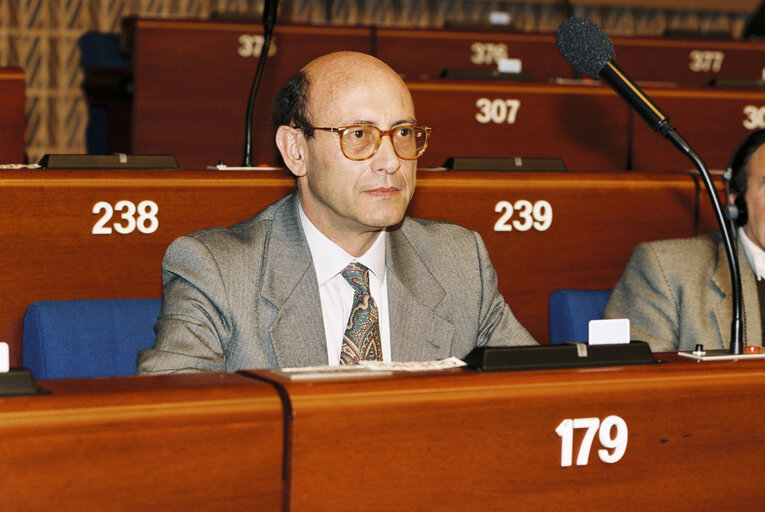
[410, 141]
[359, 142]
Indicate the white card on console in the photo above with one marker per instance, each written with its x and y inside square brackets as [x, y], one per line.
[4, 359]
[604, 332]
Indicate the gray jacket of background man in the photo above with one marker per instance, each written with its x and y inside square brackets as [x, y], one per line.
[676, 293]
[247, 296]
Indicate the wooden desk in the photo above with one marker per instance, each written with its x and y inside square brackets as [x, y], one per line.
[686, 62]
[689, 62]
[12, 87]
[426, 53]
[567, 230]
[585, 126]
[49, 218]
[598, 218]
[713, 121]
[470, 441]
[151, 443]
[193, 79]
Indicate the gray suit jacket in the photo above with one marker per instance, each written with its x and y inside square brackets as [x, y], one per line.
[676, 293]
[247, 296]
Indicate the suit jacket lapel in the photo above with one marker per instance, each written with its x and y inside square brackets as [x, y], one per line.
[289, 284]
[418, 332]
[722, 310]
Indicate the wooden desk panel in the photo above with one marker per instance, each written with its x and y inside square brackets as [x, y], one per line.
[713, 121]
[419, 53]
[192, 84]
[689, 62]
[585, 126]
[48, 220]
[143, 443]
[12, 87]
[597, 219]
[465, 441]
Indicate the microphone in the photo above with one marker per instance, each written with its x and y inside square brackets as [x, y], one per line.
[269, 20]
[587, 48]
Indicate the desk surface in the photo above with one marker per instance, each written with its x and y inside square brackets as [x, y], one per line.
[686, 436]
[148, 443]
[461, 440]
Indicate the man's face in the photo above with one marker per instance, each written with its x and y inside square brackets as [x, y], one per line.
[342, 197]
[755, 198]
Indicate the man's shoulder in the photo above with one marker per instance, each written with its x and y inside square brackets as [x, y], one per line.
[685, 258]
[441, 244]
[697, 246]
[436, 229]
[246, 232]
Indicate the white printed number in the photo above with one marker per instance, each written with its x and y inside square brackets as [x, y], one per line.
[703, 61]
[497, 111]
[538, 215]
[755, 117]
[145, 221]
[617, 442]
[487, 53]
[251, 46]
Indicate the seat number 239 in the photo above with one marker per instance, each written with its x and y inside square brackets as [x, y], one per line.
[537, 215]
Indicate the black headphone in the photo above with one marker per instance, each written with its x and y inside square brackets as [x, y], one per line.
[735, 176]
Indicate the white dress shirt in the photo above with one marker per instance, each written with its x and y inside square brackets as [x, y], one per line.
[336, 294]
[754, 254]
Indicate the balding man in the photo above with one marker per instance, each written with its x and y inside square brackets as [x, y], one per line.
[334, 273]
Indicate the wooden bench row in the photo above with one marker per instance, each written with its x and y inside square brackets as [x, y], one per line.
[441, 440]
[101, 234]
[192, 80]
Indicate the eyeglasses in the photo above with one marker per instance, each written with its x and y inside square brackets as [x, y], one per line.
[360, 142]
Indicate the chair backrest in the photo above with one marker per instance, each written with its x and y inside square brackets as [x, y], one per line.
[571, 312]
[87, 338]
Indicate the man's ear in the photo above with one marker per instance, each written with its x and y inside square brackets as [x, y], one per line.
[291, 144]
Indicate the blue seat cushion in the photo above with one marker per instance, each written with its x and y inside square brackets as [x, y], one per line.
[87, 338]
[571, 311]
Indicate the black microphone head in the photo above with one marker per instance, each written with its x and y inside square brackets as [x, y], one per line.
[584, 45]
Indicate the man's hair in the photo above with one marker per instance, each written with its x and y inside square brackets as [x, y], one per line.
[290, 105]
[738, 167]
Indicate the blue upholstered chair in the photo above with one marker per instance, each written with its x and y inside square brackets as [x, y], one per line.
[571, 312]
[87, 338]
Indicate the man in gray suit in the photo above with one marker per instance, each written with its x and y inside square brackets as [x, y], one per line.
[676, 293]
[278, 289]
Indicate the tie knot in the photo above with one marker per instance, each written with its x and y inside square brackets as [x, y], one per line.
[357, 276]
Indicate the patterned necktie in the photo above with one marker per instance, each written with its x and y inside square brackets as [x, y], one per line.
[361, 341]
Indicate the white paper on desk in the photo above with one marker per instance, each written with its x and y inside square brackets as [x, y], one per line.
[365, 369]
[327, 372]
[414, 366]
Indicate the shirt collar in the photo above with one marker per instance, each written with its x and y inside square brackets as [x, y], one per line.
[329, 259]
[754, 254]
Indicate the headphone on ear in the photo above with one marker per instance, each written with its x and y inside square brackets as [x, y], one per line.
[735, 177]
[736, 211]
